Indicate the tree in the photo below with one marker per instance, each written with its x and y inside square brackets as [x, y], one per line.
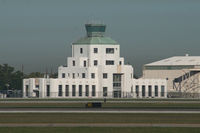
[9, 78]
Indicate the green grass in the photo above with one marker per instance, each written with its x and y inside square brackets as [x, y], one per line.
[97, 130]
[98, 118]
[159, 105]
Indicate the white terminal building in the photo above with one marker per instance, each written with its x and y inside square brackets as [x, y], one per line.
[95, 70]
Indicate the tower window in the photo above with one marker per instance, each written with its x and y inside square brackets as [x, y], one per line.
[81, 50]
[95, 50]
[83, 75]
[105, 75]
[109, 50]
[95, 62]
[63, 75]
[109, 62]
[92, 75]
[84, 63]
[73, 63]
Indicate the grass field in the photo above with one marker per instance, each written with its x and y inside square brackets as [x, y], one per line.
[164, 105]
[98, 118]
[97, 130]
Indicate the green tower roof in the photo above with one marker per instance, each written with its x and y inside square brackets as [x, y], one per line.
[95, 36]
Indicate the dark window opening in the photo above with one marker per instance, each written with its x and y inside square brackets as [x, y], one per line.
[105, 75]
[95, 62]
[95, 50]
[48, 90]
[93, 90]
[109, 50]
[109, 62]
[81, 50]
[86, 90]
[66, 90]
[60, 90]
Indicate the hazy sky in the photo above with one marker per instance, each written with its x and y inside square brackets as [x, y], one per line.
[38, 33]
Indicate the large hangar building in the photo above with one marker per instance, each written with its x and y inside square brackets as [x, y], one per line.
[181, 72]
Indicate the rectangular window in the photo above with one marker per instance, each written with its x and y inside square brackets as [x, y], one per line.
[93, 90]
[92, 75]
[95, 50]
[81, 50]
[84, 63]
[66, 90]
[150, 90]
[143, 90]
[95, 62]
[118, 85]
[73, 90]
[109, 62]
[117, 78]
[48, 90]
[120, 62]
[162, 90]
[83, 75]
[86, 90]
[63, 75]
[80, 90]
[109, 50]
[73, 63]
[60, 90]
[27, 90]
[105, 93]
[73, 75]
[137, 90]
[156, 90]
[105, 75]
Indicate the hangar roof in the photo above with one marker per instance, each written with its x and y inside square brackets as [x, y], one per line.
[177, 61]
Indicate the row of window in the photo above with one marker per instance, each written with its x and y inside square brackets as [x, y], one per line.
[83, 75]
[162, 93]
[108, 62]
[95, 50]
[74, 90]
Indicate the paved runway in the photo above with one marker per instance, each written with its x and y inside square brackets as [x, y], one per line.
[95, 110]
